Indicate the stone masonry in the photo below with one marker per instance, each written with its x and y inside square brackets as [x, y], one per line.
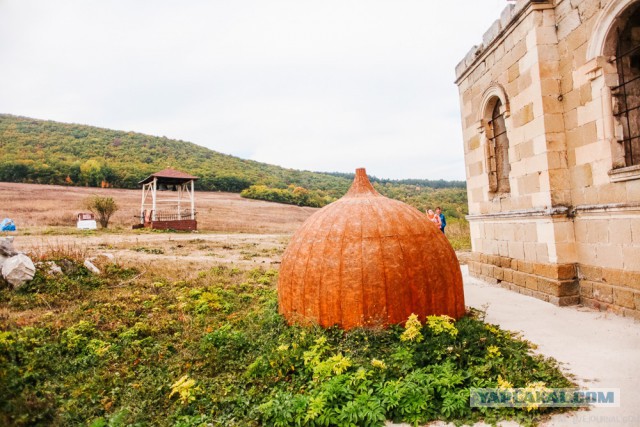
[568, 231]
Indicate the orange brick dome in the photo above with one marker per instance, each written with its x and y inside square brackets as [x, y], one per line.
[368, 260]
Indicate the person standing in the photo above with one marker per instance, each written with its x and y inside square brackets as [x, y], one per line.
[443, 220]
[434, 218]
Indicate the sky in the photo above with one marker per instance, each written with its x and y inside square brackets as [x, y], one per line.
[327, 85]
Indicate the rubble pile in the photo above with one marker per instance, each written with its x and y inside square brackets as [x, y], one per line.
[17, 269]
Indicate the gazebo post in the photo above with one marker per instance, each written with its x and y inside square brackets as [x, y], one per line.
[153, 195]
[144, 196]
[193, 202]
[180, 202]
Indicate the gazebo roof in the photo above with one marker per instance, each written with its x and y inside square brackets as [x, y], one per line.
[169, 176]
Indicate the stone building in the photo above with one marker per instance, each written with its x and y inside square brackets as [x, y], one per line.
[550, 107]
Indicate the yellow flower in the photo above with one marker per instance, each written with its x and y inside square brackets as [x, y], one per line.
[504, 384]
[493, 351]
[185, 388]
[440, 324]
[492, 329]
[412, 329]
[535, 390]
[376, 363]
[283, 347]
[336, 365]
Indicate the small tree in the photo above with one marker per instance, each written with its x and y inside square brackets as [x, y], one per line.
[102, 208]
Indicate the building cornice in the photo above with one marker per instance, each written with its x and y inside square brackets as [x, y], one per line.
[523, 213]
[607, 208]
[558, 211]
[510, 18]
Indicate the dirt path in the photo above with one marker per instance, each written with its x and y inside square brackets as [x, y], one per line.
[172, 256]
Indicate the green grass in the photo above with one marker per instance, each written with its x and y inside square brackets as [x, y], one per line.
[80, 349]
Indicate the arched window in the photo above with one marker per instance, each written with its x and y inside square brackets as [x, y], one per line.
[627, 93]
[498, 155]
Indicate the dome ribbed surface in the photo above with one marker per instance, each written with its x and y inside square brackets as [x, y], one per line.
[368, 260]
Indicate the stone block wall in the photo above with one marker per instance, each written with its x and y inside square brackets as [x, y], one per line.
[554, 283]
[569, 230]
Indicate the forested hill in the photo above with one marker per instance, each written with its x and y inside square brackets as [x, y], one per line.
[47, 152]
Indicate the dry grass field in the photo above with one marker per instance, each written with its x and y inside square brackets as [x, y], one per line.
[232, 230]
[35, 207]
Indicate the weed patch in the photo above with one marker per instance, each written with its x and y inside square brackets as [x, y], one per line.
[214, 350]
[155, 251]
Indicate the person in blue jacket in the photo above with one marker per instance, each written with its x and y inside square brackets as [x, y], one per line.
[443, 221]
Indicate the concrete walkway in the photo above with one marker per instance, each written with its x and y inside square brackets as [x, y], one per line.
[601, 350]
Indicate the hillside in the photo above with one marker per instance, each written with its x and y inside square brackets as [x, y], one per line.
[47, 152]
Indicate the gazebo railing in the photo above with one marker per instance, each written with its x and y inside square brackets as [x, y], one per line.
[148, 216]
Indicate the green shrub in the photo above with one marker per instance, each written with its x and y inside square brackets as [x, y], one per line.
[291, 195]
[102, 207]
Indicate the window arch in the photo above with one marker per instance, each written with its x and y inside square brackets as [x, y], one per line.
[627, 92]
[613, 48]
[494, 109]
[612, 15]
[499, 151]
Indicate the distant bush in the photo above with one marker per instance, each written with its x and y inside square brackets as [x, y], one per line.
[291, 195]
[230, 183]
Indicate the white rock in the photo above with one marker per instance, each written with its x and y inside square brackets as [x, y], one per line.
[52, 269]
[6, 247]
[18, 270]
[105, 255]
[91, 267]
[6, 250]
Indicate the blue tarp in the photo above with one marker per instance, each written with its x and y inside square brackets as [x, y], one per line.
[7, 225]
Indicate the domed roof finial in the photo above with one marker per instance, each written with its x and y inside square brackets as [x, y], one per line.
[361, 186]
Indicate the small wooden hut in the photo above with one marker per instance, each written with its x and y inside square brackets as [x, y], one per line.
[168, 201]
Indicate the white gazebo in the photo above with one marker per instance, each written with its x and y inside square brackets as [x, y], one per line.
[168, 201]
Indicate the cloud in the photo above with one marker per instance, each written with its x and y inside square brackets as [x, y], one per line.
[326, 86]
